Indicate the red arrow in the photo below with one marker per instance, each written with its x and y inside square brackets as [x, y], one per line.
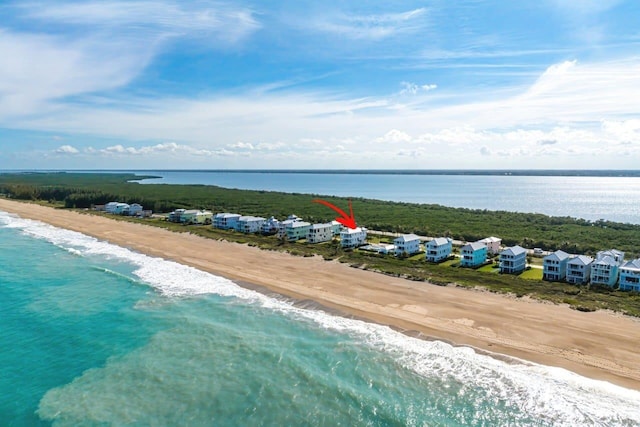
[346, 220]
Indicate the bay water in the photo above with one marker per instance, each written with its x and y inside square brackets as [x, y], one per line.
[93, 334]
[610, 197]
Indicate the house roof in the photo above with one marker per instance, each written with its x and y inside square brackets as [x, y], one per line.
[491, 239]
[251, 218]
[606, 260]
[319, 226]
[581, 260]
[514, 250]
[613, 253]
[557, 256]
[439, 241]
[634, 264]
[407, 238]
[475, 246]
[298, 224]
[353, 230]
[227, 215]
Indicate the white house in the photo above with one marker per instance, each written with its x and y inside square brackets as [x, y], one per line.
[473, 254]
[579, 269]
[438, 249]
[320, 233]
[249, 224]
[604, 270]
[407, 244]
[135, 209]
[630, 276]
[270, 226]
[117, 208]
[513, 260]
[554, 266]
[225, 220]
[336, 228]
[110, 207]
[353, 237]
[297, 230]
[493, 244]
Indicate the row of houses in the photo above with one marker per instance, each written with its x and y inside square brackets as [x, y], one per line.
[119, 208]
[190, 216]
[292, 229]
[438, 249]
[608, 268]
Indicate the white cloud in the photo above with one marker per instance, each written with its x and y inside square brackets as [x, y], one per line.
[156, 18]
[409, 88]
[371, 27]
[66, 149]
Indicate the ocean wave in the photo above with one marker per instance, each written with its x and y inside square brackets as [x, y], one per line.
[553, 396]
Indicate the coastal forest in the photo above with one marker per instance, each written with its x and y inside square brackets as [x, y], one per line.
[81, 191]
[573, 235]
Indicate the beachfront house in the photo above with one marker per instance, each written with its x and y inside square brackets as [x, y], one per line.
[249, 224]
[493, 244]
[513, 260]
[579, 269]
[554, 266]
[605, 268]
[117, 208]
[270, 226]
[225, 220]
[135, 209]
[473, 254]
[630, 276]
[407, 244]
[353, 237]
[320, 233]
[195, 216]
[438, 249]
[282, 227]
[297, 230]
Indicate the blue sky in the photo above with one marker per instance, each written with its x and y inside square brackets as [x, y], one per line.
[332, 84]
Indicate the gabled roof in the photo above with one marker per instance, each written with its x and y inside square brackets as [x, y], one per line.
[407, 238]
[581, 260]
[491, 239]
[606, 260]
[352, 230]
[319, 226]
[514, 251]
[634, 264]
[475, 246]
[227, 215]
[297, 224]
[557, 256]
[613, 253]
[439, 241]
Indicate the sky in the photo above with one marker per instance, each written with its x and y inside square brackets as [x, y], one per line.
[468, 84]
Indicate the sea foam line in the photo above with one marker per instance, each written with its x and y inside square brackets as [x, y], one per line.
[553, 395]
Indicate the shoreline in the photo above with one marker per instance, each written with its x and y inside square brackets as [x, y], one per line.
[598, 345]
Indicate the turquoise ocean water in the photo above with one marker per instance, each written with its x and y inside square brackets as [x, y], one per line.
[92, 334]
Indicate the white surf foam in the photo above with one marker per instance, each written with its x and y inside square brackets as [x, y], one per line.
[552, 395]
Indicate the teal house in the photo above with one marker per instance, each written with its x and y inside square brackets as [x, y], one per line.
[473, 254]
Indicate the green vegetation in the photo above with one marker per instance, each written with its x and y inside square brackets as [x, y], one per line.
[530, 230]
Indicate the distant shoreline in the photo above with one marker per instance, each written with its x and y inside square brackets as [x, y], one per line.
[452, 172]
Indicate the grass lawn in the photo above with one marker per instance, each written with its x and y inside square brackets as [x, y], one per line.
[532, 274]
[450, 262]
[489, 268]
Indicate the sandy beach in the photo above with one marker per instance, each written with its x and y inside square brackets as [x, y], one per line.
[599, 345]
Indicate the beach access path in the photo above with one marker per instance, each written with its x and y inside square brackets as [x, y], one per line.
[599, 345]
